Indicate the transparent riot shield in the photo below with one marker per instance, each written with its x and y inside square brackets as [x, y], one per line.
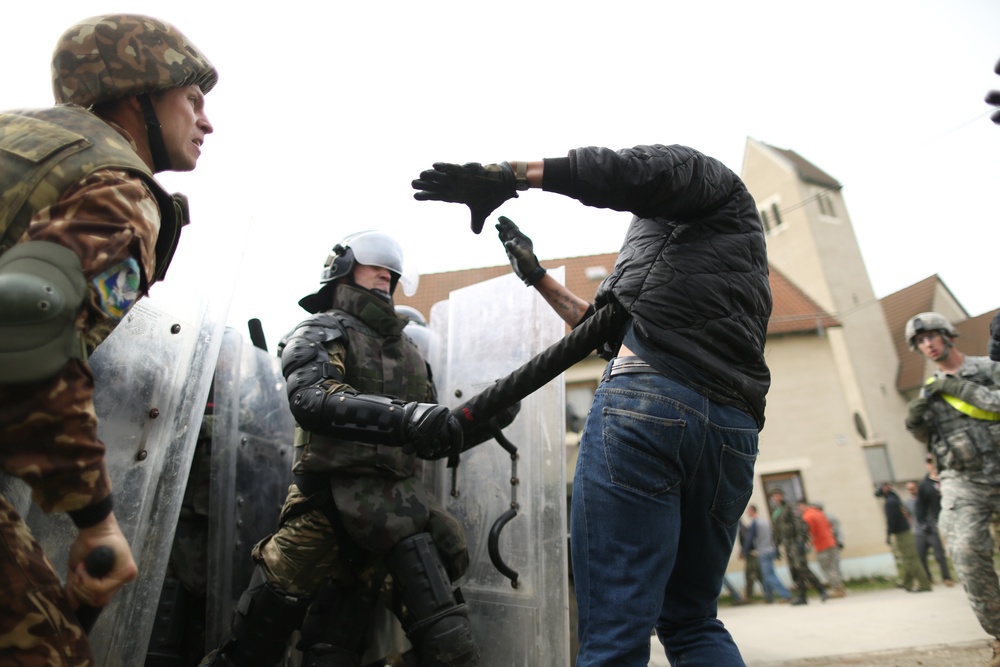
[487, 331]
[152, 377]
[251, 470]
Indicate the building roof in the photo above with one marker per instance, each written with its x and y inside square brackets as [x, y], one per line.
[793, 311]
[807, 171]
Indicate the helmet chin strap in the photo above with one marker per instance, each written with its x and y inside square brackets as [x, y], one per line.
[156, 145]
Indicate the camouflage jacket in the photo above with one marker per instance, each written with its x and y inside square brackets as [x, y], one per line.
[966, 446]
[109, 217]
[790, 530]
[45, 153]
[377, 359]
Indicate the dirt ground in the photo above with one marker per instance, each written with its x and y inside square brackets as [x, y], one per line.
[972, 655]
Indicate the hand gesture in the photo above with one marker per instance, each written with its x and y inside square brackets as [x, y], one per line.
[482, 189]
[520, 252]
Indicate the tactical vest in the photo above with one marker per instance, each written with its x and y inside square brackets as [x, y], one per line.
[44, 152]
[379, 360]
[962, 443]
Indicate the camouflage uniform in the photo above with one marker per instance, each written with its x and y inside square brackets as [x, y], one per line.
[968, 454]
[791, 532]
[374, 486]
[49, 428]
[74, 180]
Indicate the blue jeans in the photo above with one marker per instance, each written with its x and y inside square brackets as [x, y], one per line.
[772, 585]
[662, 479]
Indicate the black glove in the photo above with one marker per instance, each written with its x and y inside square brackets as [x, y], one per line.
[993, 99]
[482, 189]
[431, 431]
[944, 385]
[995, 328]
[915, 411]
[520, 252]
[480, 432]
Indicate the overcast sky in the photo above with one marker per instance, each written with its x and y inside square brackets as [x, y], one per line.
[325, 112]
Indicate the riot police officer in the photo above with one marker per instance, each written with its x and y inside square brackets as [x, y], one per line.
[85, 229]
[958, 416]
[357, 517]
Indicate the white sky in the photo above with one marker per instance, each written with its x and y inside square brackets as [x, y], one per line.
[326, 111]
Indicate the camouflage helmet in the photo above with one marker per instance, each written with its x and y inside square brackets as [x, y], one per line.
[106, 58]
[925, 322]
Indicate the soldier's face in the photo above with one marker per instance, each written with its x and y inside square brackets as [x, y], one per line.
[373, 278]
[932, 345]
[184, 125]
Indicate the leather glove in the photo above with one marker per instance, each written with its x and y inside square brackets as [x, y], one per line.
[482, 189]
[479, 432]
[431, 431]
[915, 411]
[520, 252]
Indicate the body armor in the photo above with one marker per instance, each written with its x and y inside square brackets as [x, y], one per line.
[45, 152]
[379, 360]
[963, 443]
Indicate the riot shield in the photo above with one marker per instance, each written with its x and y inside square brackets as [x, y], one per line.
[152, 377]
[522, 620]
[251, 470]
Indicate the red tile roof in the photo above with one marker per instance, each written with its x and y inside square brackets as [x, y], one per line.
[793, 311]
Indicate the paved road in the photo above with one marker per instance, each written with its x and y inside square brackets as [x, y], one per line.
[889, 627]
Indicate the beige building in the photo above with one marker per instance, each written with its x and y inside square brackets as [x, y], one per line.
[841, 372]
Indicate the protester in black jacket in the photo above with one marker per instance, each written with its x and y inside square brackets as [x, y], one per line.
[666, 457]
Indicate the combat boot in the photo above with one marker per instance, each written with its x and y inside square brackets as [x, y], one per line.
[799, 599]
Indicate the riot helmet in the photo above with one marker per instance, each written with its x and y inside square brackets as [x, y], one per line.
[927, 322]
[412, 315]
[107, 58]
[373, 248]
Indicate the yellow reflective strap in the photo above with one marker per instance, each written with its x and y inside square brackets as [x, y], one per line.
[967, 408]
[970, 410]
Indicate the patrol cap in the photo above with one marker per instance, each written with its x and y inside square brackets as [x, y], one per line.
[106, 58]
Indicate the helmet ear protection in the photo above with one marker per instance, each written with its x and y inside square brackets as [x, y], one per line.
[340, 263]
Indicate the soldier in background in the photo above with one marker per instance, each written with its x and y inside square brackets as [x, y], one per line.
[90, 231]
[365, 409]
[958, 416]
[792, 533]
[750, 558]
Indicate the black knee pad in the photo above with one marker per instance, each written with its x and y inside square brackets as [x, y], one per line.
[435, 621]
[264, 620]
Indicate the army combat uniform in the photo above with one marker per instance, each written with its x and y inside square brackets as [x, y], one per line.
[792, 533]
[962, 429]
[109, 219]
[83, 220]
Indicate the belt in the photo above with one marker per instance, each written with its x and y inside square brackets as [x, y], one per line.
[628, 365]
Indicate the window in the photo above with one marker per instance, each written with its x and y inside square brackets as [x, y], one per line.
[777, 215]
[789, 482]
[879, 464]
[770, 215]
[825, 207]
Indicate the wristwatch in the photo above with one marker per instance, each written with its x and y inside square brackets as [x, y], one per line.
[521, 176]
